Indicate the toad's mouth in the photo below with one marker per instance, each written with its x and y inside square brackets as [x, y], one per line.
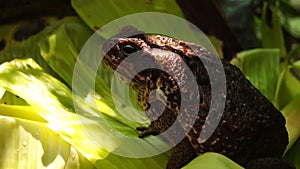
[124, 71]
[111, 61]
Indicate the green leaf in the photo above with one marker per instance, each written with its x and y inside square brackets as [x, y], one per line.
[19, 32]
[165, 17]
[11, 99]
[290, 17]
[23, 112]
[60, 47]
[97, 13]
[212, 161]
[261, 67]
[28, 48]
[297, 64]
[291, 113]
[287, 88]
[30, 144]
[272, 36]
[293, 26]
[294, 52]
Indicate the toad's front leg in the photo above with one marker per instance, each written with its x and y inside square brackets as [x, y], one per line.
[182, 153]
[159, 125]
[147, 131]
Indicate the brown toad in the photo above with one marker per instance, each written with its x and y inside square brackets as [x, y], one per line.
[250, 127]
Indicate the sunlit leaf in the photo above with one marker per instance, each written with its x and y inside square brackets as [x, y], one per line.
[23, 112]
[52, 100]
[212, 161]
[11, 99]
[30, 144]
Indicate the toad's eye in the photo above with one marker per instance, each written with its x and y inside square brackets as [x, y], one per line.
[128, 49]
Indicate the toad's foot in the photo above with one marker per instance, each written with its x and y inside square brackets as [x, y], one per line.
[147, 131]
